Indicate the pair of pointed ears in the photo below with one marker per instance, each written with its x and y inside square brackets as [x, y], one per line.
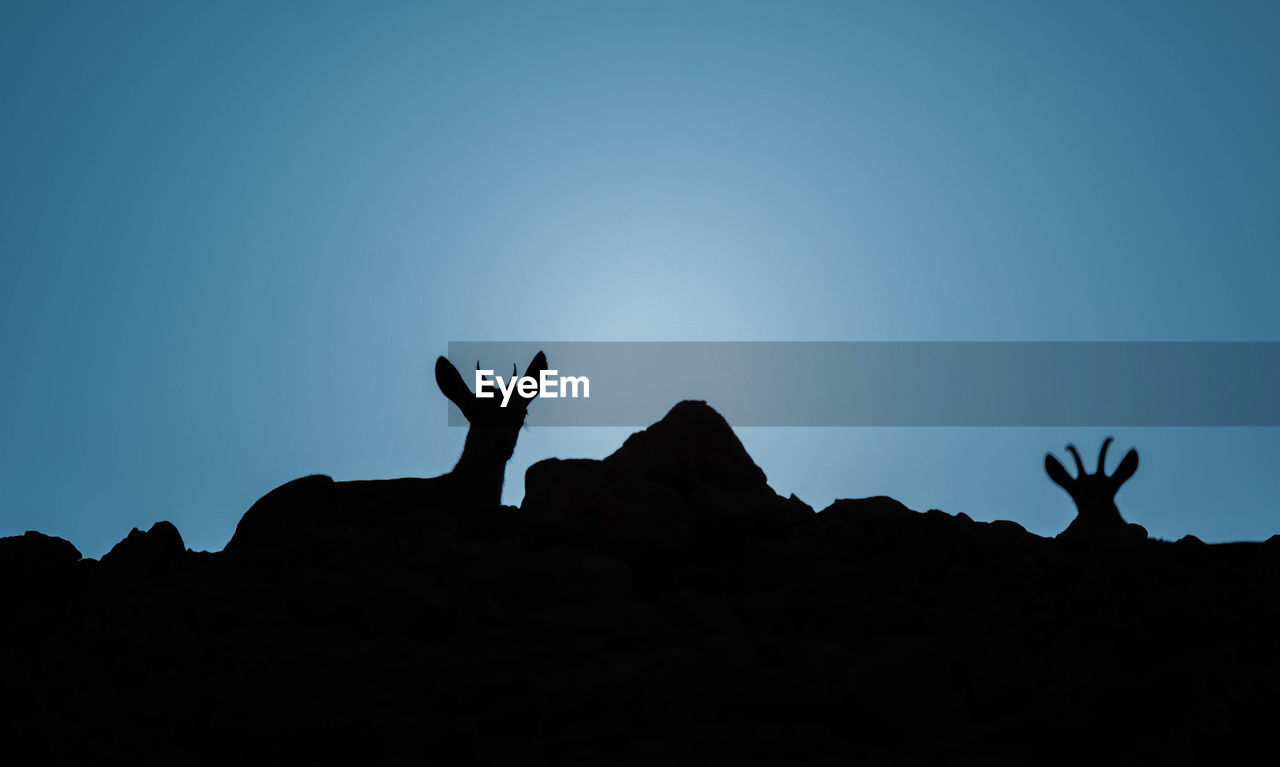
[452, 386]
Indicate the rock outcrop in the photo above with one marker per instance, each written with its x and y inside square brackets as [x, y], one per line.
[663, 605]
[683, 481]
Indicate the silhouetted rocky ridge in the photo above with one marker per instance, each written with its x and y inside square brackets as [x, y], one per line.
[660, 606]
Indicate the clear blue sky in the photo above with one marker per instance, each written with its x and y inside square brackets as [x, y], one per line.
[236, 235]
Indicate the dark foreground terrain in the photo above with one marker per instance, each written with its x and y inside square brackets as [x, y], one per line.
[663, 606]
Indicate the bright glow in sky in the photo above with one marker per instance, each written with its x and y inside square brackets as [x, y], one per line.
[236, 235]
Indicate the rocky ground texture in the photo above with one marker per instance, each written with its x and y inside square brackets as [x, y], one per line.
[662, 606]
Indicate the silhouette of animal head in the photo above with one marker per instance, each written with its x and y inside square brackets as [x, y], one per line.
[1094, 494]
[491, 438]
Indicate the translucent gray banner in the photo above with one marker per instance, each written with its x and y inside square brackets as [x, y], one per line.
[901, 384]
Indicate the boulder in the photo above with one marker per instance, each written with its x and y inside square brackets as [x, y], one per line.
[34, 552]
[686, 478]
[868, 514]
[556, 575]
[35, 565]
[596, 505]
[692, 446]
[151, 552]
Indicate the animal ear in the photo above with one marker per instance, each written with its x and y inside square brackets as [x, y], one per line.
[536, 367]
[1126, 468]
[1057, 473]
[452, 386]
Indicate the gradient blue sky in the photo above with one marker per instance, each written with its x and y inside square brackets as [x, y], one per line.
[236, 235]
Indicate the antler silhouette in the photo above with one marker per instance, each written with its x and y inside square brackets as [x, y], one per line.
[1094, 495]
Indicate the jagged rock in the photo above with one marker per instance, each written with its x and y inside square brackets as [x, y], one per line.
[34, 552]
[1009, 533]
[877, 514]
[691, 446]
[557, 575]
[661, 605]
[597, 505]
[685, 478]
[730, 516]
[1126, 534]
[34, 566]
[150, 552]
[694, 451]
[905, 683]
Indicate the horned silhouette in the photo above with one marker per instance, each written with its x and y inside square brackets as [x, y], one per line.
[491, 433]
[1095, 496]
[472, 487]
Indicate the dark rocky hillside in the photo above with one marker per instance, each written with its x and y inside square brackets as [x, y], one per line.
[662, 606]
